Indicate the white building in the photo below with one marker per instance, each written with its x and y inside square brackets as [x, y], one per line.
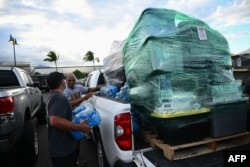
[65, 70]
[46, 70]
[24, 65]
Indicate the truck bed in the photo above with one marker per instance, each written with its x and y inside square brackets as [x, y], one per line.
[207, 160]
[208, 152]
[156, 156]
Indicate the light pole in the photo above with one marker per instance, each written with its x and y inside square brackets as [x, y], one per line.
[13, 42]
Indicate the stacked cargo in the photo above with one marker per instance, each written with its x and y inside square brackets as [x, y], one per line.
[113, 65]
[178, 71]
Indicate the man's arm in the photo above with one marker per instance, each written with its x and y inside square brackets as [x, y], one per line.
[94, 89]
[64, 124]
[76, 102]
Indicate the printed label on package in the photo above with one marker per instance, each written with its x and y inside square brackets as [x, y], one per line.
[202, 33]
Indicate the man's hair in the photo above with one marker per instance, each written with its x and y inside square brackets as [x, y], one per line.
[72, 74]
[54, 79]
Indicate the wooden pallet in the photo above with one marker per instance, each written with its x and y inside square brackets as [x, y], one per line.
[204, 146]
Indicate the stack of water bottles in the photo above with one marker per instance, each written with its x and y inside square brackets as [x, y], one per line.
[123, 93]
[84, 112]
[109, 90]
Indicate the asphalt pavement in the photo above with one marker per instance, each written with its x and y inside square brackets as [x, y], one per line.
[87, 150]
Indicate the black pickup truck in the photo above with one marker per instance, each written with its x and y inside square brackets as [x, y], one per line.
[41, 82]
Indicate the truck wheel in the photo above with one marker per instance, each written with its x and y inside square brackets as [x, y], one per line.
[41, 114]
[101, 156]
[28, 152]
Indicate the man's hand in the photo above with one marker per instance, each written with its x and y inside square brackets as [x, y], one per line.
[84, 127]
[88, 95]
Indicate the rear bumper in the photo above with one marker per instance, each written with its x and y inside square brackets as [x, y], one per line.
[7, 142]
[8, 137]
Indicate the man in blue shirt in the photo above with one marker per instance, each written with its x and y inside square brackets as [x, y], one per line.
[75, 92]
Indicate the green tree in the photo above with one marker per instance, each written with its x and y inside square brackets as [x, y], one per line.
[79, 74]
[37, 73]
[52, 57]
[89, 56]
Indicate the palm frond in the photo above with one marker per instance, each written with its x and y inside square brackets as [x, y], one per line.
[52, 57]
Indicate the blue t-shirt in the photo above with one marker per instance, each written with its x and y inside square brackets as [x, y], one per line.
[60, 142]
[75, 93]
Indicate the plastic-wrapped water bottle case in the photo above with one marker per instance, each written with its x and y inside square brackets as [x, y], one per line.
[84, 112]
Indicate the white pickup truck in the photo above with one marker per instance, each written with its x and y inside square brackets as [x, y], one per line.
[117, 146]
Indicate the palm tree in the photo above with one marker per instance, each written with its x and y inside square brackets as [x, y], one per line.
[52, 57]
[89, 56]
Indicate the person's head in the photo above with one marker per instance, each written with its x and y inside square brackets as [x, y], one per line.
[55, 80]
[71, 80]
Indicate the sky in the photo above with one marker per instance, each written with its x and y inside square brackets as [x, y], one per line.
[71, 28]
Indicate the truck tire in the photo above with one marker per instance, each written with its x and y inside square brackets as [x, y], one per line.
[27, 155]
[41, 114]
[101, 156]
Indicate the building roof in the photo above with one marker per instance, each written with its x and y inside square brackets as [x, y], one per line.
[245, 52]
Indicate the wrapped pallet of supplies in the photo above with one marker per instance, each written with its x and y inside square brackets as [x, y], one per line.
[113, 69]
[177, 66]
[174, 62]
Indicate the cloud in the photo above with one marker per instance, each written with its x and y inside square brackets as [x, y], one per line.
[73, 28]
[235, 13]
[238, 35]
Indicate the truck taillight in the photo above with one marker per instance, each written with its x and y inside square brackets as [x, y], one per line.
[7, 107]
[123, 132]
[7, 104]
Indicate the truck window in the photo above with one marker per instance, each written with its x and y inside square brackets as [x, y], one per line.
[101, 80]
[8, 78]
